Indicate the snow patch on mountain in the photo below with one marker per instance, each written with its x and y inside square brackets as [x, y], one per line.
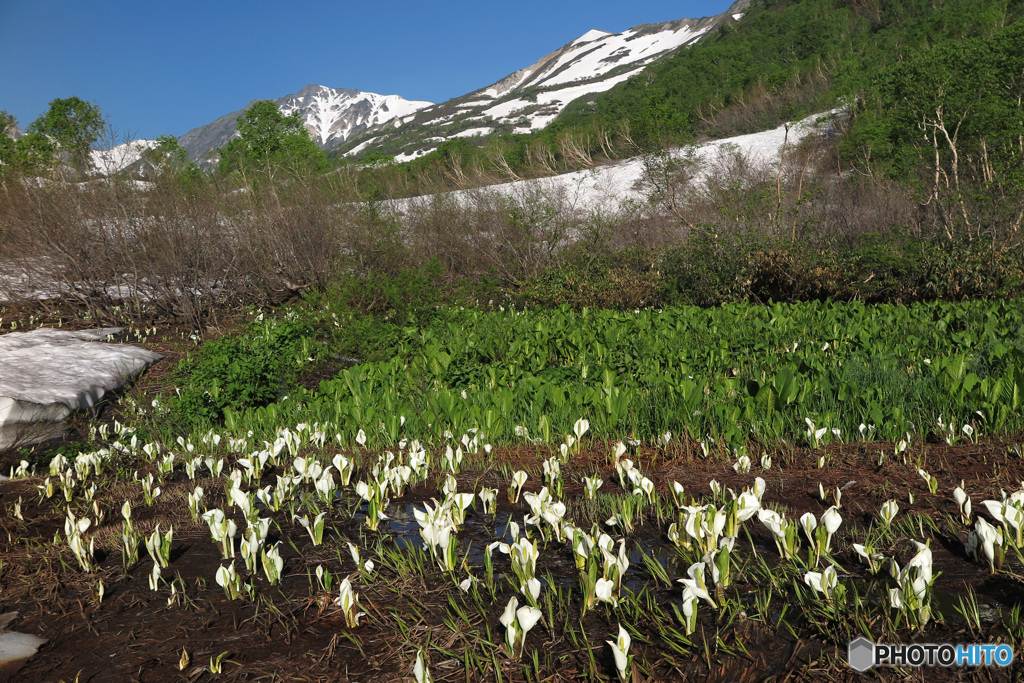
[111, 161]
[594, 58]
[473, 132]
[592, 34]
[332, 116]
[551, 102]
[531, 98]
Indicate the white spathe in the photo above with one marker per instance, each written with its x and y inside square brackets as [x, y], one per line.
[47, 374]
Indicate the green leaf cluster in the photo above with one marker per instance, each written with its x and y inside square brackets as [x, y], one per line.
[788, 58]
[74, 123]
[954, 97]
[70, 126]
[31, 155]
[269, 140]
[244, 370]
[734, 373]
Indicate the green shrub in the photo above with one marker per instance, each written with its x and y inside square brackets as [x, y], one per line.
[890, 268]
[246, 370]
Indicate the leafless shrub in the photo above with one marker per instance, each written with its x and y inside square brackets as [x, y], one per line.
[512, 234]
[113, 248]
[517, 235]
[804, 197]
[118, 248]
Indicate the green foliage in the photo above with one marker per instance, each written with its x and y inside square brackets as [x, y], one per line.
[950, 116]
[376, 159]
[373, 308]
[32, 155]
[729, 372]
[168, 157]
[268, 140]
[7, 123]
[167, 151]
[247, 370]
[760, 71]
[769, 50]
[74, 124]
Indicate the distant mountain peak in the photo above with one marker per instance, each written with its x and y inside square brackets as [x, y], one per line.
[331, 115]
[531, 98]
[108, 162]
[524, 101]
[592, 34]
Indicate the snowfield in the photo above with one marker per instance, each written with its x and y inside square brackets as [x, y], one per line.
[607, 189]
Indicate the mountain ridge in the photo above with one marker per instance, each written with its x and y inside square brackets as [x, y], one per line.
[352, 121]
[531, 98]
[331, 116]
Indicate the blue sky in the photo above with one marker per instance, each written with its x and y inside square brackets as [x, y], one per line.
[159, 68]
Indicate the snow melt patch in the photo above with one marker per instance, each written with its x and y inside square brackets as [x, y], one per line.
[471, 104]
[473, 132]
[15, 647]
[416, 154]
[47, 374]
[607, 189]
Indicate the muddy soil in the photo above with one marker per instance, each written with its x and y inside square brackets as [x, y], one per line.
[294, 632]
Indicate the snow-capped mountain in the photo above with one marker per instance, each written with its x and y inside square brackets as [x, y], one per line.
[334, 116]
[531, 98]
[108, 162]
[524, 101]
[331, 116]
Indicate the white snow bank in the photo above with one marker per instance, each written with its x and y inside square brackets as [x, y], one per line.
[608, 188]
[15, 647]
[47, 374]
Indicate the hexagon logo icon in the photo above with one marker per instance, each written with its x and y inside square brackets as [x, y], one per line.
[861, 654]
